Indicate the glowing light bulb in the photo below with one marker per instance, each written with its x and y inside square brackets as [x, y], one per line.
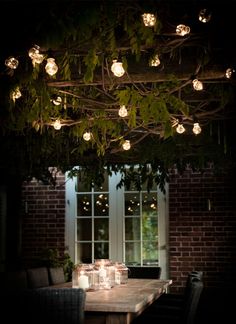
[123, 111]
[57, 100]
[126, 145]
[197, 85]
[87, 136]
[180, 129]
[182, 30]
[155, 61]
[57, 124]
[12, 62]
[117, 68]
[16, 94]
[196, 128]
[229, 73]
[149, 19]
[51, 67]
[33, 51]
[204, 16]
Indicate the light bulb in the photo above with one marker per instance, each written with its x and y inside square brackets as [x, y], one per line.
[180, 129]
[196, 128]
[149, 19]
[155, 61]
[57, 101]
[182, 30]
[51, 67]
[204, 16]
[57, 124]
[126, 145]
[33, 51]
[229, 73]
[16, 94]
[87, 136]
[197, 85]
[117, 68]
[11, 62]
[123, 111]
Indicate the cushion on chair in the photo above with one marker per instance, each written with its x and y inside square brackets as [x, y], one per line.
[38, 277]
[56, 275]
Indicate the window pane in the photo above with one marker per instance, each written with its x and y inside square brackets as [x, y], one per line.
[149, 203]
[104, 185]
[82, 186]
[132, 204]
[84, 253]
[101, 229]
[84, 229]
[149, 228]
[132, 228]
[150, 253]
[84, 205]
[132, 253]
[101, 250]
[101, 205]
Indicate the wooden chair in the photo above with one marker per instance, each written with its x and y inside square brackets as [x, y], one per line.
[185, 313]
[56, 275]
[144, 272]
[53, 305]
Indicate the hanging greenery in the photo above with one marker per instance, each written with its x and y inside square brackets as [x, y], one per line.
[44, 126]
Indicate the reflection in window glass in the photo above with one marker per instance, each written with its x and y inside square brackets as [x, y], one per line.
[101, 250]
[101, 229]
[84, 229]
[132, 253]
[84, 252]
[132, 228]
[132, 204]
[101, 205]
[150, 253]
[84, 205]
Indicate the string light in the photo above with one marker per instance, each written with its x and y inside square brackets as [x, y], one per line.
[117, 68]
[123, 111]
[180, 129]
[149, 19]
[182, 30]
[204, 16]
[229, 73]
[57, 124]
[12, 62]
[57, 100]
[35, 55]
[155, 61]
[196, 128]
[87, 136]
[51, 66]
[126, 145]
[16, 94]
[197, 85]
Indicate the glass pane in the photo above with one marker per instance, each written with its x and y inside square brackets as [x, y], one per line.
[84, 229]
[149, 203]
[101, 229]
[101, 205]
[132, 204]
[132, 253]
[132, 228]
[82, 186]
[149, 227]
[84, 253]
[104, 185]
[150, 253]
[101, 250]
[84, 205]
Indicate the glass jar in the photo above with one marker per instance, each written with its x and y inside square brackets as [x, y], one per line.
[121, 273]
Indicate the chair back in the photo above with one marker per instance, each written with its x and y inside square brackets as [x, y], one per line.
[54, 306]
[191, 299]
[144, 272]
[56, 275]
[38, 277]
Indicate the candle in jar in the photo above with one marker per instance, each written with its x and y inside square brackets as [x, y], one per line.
[83, 282]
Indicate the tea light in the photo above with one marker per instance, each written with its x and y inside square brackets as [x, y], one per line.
[83, 282]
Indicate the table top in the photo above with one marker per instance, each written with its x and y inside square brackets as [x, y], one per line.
[132, 297]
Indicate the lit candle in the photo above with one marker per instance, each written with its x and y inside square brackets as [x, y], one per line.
[83, 282]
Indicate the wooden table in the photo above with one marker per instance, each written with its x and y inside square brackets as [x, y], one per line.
[122, 303]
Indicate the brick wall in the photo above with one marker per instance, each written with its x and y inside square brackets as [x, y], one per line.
[202, 220]
[43, 219]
